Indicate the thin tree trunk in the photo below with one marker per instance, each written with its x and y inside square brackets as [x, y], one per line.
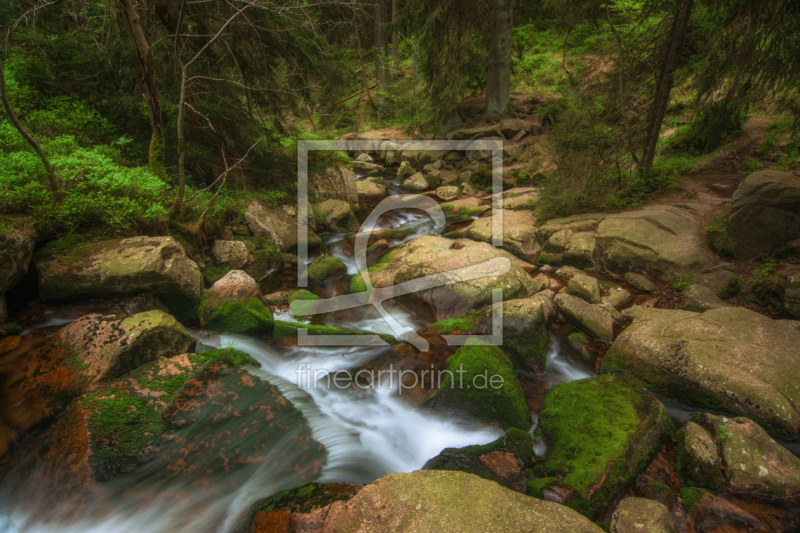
[379, 72]
[665, 81]
[144, 59]
[51, 177]
[499, 73]
[566, 47]
[395, 38]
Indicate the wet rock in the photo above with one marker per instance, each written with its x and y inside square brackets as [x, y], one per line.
[697, 459]
[416, 182]
[723, 284]
[274, 224]
[332, 214]
[638, 515]
[18, 244]
[324, 267]
[426, 501]
[662, 241]
[232, 253]
[109, 346]
[524, 329]
[503, 461]
[700, 299]
[120, 267]
[481, 384]
[638, 281]
[590, 318]
[585, 288]
[764, 213]
[600, 433]
[517, 229]
[448, 193]
[337, 183]
[432, 255]
[751, 461]
[234, 305]
[678, 354]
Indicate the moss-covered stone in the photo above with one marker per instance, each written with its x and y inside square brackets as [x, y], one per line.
[481, 383]
[285, 333]
[601, 433]
[506, 460]
[305, 498]
[241, 316]
[324, 267]
[696, 458]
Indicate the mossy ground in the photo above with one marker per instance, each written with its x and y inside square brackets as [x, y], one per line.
[464, 387]
[595, 428]
[241, 316]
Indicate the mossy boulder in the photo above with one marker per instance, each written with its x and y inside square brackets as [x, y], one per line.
[249, 316]
[106, 347]
[370, 188]
[481, 384]
[697, 458]
[594, 319]
[601, 432]
[332, 214]
[567, 247]
[444, 258]
[426, 501]
[730, 359]
[120, 267]
[505, 461]
[278, 509]
[751, 461]
[416, 182]
[324, 267]
[524, 330]
[517, 229]
[586, 288]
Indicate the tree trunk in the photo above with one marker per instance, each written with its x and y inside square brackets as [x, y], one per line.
[51, 177]
[144, 59]
[499, 73]
[379, 71]
[665, 81]
[395, 38]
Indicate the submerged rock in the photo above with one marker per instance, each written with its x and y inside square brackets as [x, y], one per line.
[422, 502]
[503, 461]
[120, 267]
[481, 383]
[600, 432]
[437, 256]
[730, 358]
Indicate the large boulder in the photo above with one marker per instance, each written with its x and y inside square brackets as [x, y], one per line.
[567, 247]
[730, 358]
[234, 305]
[109, 346]
[14, 261]
[593, 319]
[336, 183]
[662, 240]
[639, 515]
[505, 461]
[516, 228]
[764, 213]
[433, 255]
[751, 461]
[121, 267]
[275, 224]
[370, 188]
[600, 433]
[524, 329]
[422, 502]
[481, 384]
[332, 214]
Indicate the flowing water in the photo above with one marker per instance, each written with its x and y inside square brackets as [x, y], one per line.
[367, 432]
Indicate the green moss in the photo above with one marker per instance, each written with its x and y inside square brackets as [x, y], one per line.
[156, 156]
[303, 299]
[690, 497]
[537, 486]
[241, 316]
[463, 388]
[602, 432]
[453, 326]
[231, 357]
[213, 273]
[307, 497]
[578, 337]
[323, 267]
[287, 331]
